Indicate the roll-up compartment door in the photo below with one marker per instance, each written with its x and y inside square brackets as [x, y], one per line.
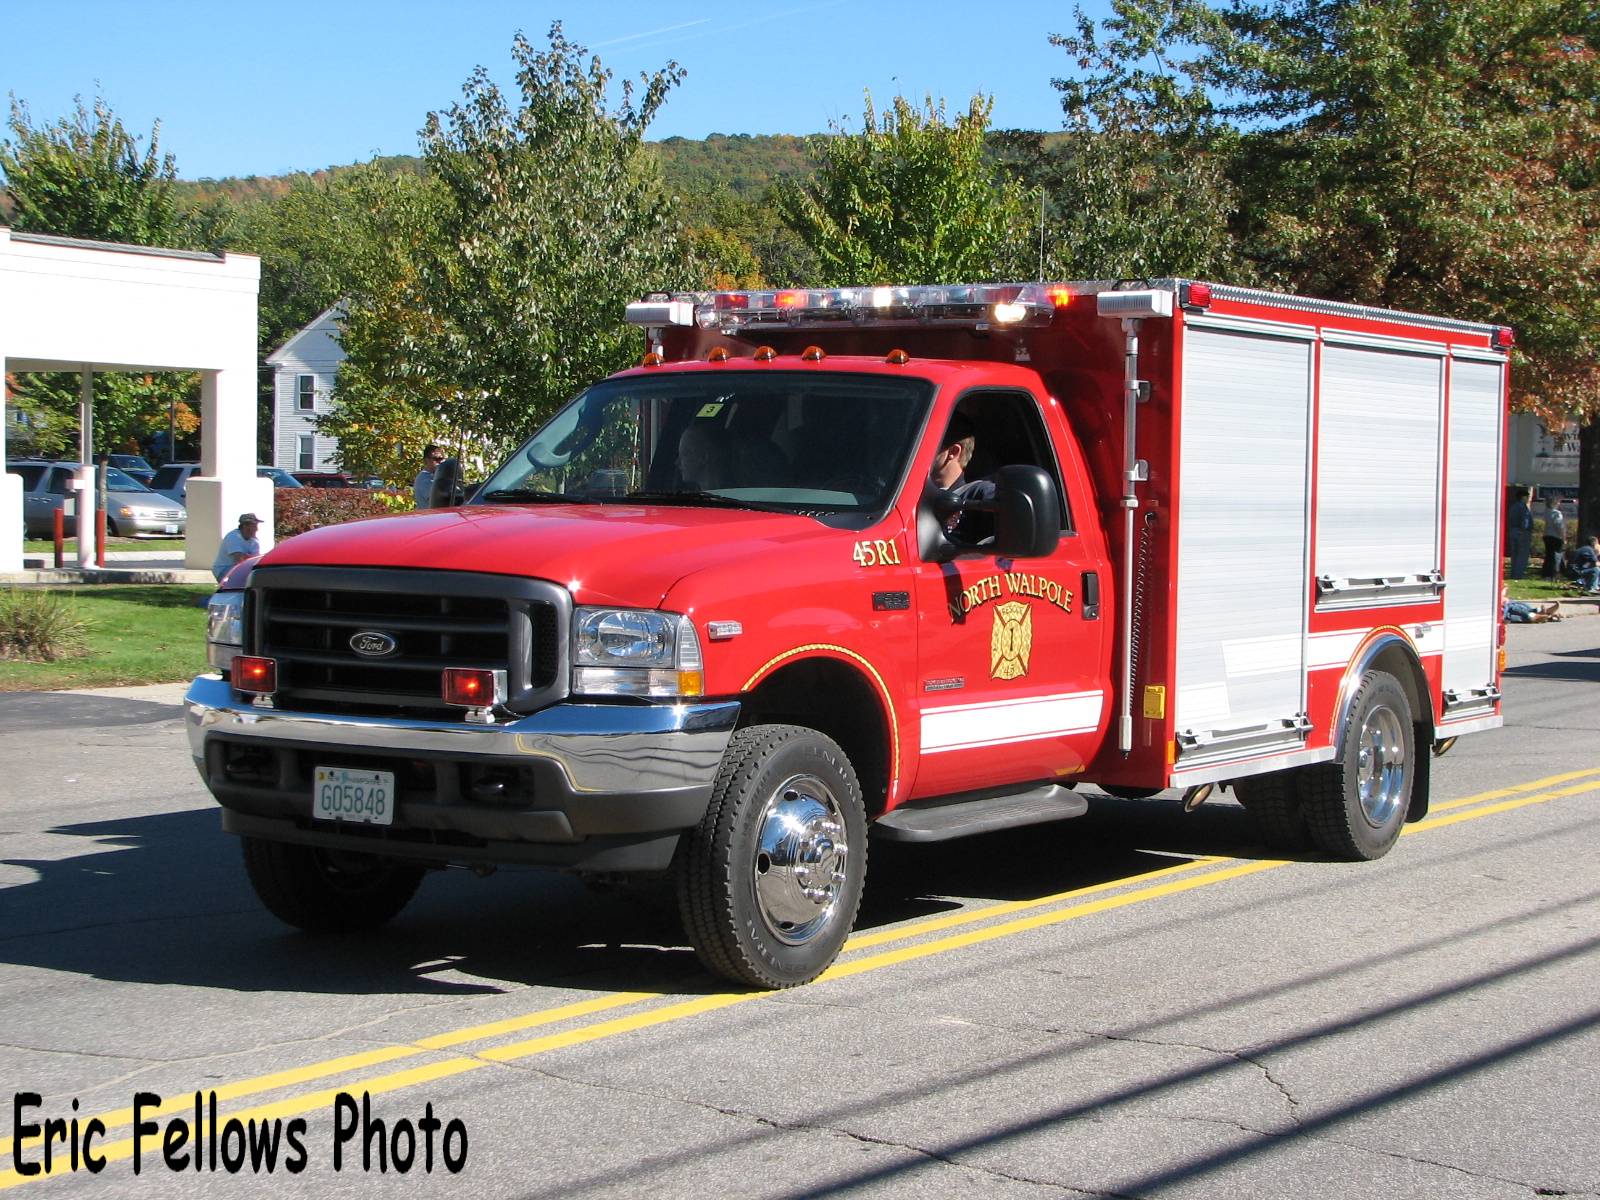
[1243, 517]
[1472, 516]
[1378, 462]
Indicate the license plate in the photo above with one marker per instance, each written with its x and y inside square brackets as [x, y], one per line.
[169, 528]
[366, 797]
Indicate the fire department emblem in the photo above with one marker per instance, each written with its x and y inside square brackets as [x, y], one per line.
[1011, 640]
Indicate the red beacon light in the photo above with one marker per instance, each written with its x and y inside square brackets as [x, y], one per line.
[1196, 295]
[791, 299]
[1060, 295]
[470, 687]
[1505, 337]
[258, 676]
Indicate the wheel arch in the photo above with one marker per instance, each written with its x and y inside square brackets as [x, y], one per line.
[1392, 652]
[839, 694]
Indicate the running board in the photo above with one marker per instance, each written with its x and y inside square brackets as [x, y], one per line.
[965, 815]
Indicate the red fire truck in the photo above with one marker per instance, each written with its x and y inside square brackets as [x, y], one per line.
[919, 560]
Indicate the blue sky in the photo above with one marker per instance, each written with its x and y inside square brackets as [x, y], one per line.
[244, 88]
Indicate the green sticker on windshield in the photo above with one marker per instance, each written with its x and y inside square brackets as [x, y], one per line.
[710, 410]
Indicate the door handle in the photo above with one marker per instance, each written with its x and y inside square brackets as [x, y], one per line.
[1091, 596]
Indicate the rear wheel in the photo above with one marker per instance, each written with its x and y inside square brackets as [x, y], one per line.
[1356, 804]
[769, 882]
[328, 891]
[1274, 802]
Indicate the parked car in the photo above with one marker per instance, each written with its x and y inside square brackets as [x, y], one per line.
[325, 479]
[132, 510]
[136, 466]
[172, 479]
[280, 477]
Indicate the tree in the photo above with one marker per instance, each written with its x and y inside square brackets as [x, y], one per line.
[86, 176]
[1390, 152]
[552, 217]
[911, 199]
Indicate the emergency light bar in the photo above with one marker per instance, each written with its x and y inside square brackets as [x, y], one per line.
[984, 305]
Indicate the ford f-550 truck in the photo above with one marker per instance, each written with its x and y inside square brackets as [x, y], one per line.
[916, 560]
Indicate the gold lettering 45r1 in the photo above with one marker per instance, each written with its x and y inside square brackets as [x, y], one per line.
[874, 552]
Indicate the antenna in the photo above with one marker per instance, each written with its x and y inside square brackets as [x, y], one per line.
[1041, 233]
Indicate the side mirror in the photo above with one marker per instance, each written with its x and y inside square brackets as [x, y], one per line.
[1027, 513]
[447, 491]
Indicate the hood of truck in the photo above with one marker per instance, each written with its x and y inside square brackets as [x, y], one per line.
[603, 553]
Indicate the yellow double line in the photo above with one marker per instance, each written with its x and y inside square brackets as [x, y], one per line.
[1098, 898]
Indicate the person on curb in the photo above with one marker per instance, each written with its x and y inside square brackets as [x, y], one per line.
[422, 488]
[237, 545]
[1555, 539]
[1519, 533]
[1586, 565]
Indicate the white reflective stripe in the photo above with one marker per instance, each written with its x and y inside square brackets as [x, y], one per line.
[968, 726]
[1261, 656]
[1338, 648]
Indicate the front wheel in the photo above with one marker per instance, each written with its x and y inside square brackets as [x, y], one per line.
[1356, 804]
[328, 891]
[770, 880]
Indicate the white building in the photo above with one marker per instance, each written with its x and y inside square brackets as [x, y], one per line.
[303, 372]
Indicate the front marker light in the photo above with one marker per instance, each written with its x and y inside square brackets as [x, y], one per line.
[224, 628]
[635, 652]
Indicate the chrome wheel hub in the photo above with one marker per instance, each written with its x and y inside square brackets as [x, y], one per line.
[1381, 766]
[801, 856]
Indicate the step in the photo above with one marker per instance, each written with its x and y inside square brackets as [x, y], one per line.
[968, 814]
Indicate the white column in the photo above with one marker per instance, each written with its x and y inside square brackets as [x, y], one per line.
[87, 496]
[10, 490]
[227, 484]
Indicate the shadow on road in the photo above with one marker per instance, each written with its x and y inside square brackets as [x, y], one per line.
[164, 899]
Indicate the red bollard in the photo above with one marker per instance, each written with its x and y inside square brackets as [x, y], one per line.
[61, 537]
[100, 535]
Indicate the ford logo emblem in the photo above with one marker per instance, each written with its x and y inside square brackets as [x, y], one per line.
[369, 643]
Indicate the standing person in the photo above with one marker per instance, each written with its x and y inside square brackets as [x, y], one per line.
[422, 489]
[237, 545]
[1555, 539]
[1519, 533]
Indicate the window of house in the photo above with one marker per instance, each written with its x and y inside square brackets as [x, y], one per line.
[305, 392]
[308, 453]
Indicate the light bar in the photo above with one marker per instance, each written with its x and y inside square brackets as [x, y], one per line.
[973, 306]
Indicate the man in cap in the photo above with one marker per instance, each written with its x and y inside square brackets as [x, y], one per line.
[237, 545]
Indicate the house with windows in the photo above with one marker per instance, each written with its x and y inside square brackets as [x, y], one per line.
[304, 369]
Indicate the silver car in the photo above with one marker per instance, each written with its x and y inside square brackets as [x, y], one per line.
[132, 510]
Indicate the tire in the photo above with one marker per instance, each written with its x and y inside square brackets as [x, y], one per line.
[1273, 801]
[328, 891]
[769, 882]
[1356, 804]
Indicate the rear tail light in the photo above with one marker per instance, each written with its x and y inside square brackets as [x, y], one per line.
[469, 687]
[255, 675]
[1195, 295]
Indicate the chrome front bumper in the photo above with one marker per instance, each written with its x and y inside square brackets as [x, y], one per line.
[590, 786]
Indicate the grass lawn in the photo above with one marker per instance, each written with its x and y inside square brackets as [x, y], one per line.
[137, 634]
[46, 546]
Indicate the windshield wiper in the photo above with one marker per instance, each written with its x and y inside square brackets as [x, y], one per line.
[708, 499]
[536, 497]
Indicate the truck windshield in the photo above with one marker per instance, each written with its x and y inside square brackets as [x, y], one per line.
[794, 441]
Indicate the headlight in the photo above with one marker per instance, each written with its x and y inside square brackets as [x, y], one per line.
[125, 511]
[224, 628]
[633, 652]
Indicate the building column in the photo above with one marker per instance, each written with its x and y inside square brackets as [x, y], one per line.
[10, 490]
[227, 485]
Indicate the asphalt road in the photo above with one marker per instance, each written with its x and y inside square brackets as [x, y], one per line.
[1136, 1003]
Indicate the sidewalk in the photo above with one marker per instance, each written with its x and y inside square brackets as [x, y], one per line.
[122, 566]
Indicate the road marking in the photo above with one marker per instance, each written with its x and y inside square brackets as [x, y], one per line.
[1177, 880]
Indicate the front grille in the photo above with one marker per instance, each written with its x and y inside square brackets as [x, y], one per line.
[166, 514]
[307, 617]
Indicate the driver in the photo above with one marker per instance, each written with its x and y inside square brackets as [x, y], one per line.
[703, 458]
[949, 472]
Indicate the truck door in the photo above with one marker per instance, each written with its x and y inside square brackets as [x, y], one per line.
[1010, 683]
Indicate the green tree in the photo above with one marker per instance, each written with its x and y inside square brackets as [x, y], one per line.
[551, 218]
[911, 199]
[86, 176]
[1393, 152]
